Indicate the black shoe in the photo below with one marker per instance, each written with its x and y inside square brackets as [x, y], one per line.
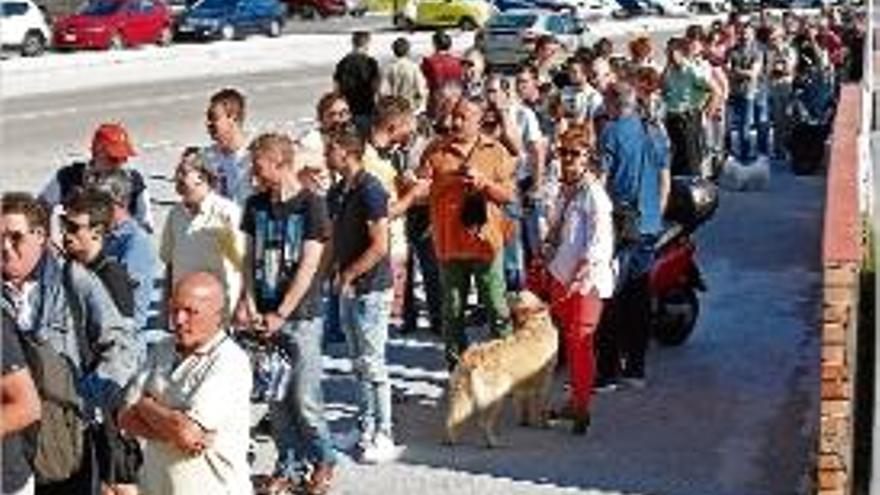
[581, 425]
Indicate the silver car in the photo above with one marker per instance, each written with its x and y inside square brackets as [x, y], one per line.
[510, 36]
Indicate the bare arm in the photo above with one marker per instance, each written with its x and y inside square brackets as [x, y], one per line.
[665, 185]
[169, 425]
[246, 308]
[130, 421]
[302, 279]
[19, 401]
[537, 157]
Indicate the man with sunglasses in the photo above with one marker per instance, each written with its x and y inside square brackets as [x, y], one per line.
[62, 304]
[469, 168]
[86, 221]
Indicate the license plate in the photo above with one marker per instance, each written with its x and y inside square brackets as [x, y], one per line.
[69, 37]
[186, 29]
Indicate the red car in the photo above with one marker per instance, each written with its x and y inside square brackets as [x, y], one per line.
[115, 24]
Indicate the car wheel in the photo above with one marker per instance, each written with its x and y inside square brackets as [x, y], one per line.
[274, 29]
[34, 44]
[165, 36]
[467, 24]
[116, 42]
[227, 32]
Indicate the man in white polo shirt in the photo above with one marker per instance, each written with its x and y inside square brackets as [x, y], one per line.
[191, 400]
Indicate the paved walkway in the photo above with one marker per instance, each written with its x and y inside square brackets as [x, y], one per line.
[732, 412]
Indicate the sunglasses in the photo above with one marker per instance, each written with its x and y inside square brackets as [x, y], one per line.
[15, 237]
[72, 227]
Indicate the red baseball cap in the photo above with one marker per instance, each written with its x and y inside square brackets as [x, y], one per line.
[114, 140]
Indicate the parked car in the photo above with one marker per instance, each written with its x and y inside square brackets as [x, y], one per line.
[310, 9]
[709, 6]
[23, 27]
[585, 9]
[232, 19]
[510, 36]
[677, 8]
[115, 24]
[465, 14]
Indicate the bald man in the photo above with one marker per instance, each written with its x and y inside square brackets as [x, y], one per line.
[191, 400]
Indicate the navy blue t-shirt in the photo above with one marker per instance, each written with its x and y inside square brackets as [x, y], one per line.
[278, 231]
[351, 209]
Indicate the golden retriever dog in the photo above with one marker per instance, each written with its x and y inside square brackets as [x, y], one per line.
[520, 365]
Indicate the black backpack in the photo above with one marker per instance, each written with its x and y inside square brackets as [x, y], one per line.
[55, 444]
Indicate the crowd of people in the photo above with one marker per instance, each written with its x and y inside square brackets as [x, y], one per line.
[553, 179]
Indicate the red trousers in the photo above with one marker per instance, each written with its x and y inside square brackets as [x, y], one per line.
[577, 315]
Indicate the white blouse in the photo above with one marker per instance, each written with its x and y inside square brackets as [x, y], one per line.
[586, 235]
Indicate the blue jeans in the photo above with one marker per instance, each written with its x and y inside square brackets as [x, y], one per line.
[742, 119]
[365, 319]
[298, 421]
[514, 262]
[422, 250]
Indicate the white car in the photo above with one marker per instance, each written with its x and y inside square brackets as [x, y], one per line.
[509, 37]
[590, 9]
[23, 27]
[710, 6]
[676, 8]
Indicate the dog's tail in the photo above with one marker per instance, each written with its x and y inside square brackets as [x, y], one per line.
[460, 403]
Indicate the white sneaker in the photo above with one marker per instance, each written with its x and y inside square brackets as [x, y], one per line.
[352, 439]
[381, 450]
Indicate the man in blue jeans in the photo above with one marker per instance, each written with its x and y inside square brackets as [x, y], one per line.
[287, 227]
[361, 269]
[746, 95]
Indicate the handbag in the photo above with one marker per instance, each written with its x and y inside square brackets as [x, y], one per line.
[474, 207]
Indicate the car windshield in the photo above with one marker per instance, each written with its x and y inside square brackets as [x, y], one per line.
[213, 4]
[512, 21]
[101, 7]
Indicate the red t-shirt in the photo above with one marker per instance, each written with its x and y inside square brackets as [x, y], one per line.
[441, 68]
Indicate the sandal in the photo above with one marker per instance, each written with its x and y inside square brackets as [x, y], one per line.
[275, 485]
[320, 480]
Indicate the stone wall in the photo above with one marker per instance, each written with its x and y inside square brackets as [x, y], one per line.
[841, 255]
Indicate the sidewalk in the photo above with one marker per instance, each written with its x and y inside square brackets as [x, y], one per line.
[731, 412]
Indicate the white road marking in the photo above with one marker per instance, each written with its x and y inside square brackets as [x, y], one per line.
[157, 101]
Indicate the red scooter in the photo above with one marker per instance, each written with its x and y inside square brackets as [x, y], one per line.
[675, 278]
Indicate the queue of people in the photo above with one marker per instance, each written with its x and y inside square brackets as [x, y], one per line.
[554, 180]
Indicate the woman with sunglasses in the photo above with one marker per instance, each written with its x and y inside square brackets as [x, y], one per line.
[578, 257]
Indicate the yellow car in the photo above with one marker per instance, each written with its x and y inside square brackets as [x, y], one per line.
[465, 14]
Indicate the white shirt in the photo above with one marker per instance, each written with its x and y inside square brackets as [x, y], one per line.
[212, 386]
[209, 241]
[236, 180]
[22, 300]
[584, 103]
[586, 235]
[530, 132]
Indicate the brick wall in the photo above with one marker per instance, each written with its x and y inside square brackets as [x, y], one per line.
[841, 255]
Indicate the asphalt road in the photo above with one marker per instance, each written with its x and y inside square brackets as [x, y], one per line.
[732, 412]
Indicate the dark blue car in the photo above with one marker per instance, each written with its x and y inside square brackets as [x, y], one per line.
[232, 19]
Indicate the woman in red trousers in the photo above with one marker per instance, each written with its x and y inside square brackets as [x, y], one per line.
[578, 272]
